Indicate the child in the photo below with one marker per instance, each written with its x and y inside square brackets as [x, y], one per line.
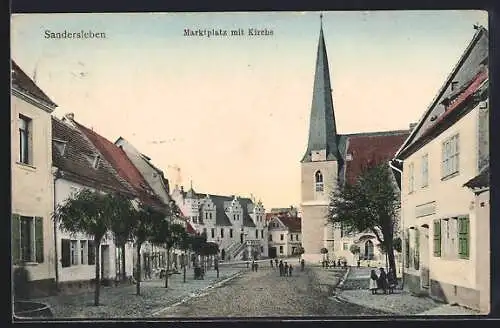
[373, 282]
[290, 269]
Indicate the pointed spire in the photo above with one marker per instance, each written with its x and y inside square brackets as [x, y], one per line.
[322, 129]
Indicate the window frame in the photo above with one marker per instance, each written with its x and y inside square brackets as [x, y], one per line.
[25, 128]
[318, 181]
[463, 237]
[411, 178]
[450, 156]
[424, 169]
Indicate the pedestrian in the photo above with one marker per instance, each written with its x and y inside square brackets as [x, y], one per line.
[338, 263]
[256, 266]
[286, 269]
[276, 261]
[216, 265]
[373, 282]
[253, 265]
[302, 264]
[334, 265]
[271, 263]
[382, 280]
[281, 268]
[290, 269]
[248, 263]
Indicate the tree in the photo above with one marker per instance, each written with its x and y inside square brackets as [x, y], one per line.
[122, 226]
[185, 246]
[148, 220]
[91, 213]
[354, 249]
[370, 204]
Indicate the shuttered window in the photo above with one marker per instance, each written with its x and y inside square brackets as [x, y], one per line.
[437, 238]
[65, 253]
[91, 252]
[463, 237]
[16, 238]
[39, 239]
[416, 257]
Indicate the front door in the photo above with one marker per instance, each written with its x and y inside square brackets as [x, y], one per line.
[272, 252]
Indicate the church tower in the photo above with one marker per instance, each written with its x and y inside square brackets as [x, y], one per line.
[320, 164]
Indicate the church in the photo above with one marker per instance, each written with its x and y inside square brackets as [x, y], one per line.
[330, 160]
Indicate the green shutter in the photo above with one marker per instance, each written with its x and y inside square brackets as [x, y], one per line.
[39, 239]
[437, 238]
[16, 238]
[463, 237]
[65, 253]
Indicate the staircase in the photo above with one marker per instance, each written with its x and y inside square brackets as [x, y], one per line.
[238, 250]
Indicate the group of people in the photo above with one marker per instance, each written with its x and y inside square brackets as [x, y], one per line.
[285, 268]
[326, 263]
[384, 281]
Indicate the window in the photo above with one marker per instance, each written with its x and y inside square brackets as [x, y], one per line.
[27, 239]
[74, 252]
[213, 233]
[231, 233]
[346, 246]
[270, 237]
[256, 234]
[450, 162]
[437, 238]
[291, 237]
[281, 237]
[206, 215]
[454, 85]
[210, 214]
[91, 252]
[262, 234]
[222, 232]
[318, 178]
[281, 249]
[25, 125]
[83, 251]
[463, 237]
[425, 170]
[411, 179]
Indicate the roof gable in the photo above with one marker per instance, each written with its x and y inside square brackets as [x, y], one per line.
[469, 69]
[23, 82]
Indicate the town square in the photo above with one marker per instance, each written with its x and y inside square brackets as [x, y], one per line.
[242, 165]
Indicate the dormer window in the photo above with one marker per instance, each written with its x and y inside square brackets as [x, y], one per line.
[318, 178]
[454, 85]
[97, 159]
[60, 146]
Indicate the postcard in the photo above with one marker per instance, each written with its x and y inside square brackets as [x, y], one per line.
[250, 165]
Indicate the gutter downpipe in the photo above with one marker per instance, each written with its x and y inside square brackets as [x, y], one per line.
[57, 175]
[402, 225]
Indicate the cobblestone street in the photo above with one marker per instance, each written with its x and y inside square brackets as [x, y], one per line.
[265, 293]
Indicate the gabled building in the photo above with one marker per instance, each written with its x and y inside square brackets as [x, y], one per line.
[154, 257]
[284, 235]
[32, 201]
[78, 165]
[236, 224]
[331, 160]
[445, 245]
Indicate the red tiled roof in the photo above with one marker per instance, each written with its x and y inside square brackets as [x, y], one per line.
[189, 228]
[371, 150]
[292, 223]
[122, 164]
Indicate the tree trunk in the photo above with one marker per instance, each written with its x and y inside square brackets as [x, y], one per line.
[184, 267]
[97, 272]
[392, 260]
[138, 270]
[168, 267]
[124, 274]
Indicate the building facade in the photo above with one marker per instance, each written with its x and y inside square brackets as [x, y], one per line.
[285, 235]
[331, 160]
[236, 224]
[443, 248]
[32, 233]
[77, 164]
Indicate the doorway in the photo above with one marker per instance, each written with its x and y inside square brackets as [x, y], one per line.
[241, 238]
[424, 258]
[368, 250]
[272, 252]
[223, 254]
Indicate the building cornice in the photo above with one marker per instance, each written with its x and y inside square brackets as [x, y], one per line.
[32, 100]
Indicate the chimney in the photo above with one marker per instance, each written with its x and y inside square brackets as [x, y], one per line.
[70, 116]
[412, 126]
[182, 188]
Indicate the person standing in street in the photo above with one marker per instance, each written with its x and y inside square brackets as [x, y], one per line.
[271, 263]
[290, 269]
[281, 268]
[286, 269]
[373, 282]
[276, 261]
[382, 280]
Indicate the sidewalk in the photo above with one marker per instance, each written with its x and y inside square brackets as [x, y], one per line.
[401, 303]
[121, 302]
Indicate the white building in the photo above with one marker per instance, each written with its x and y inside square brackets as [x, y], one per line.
[445, 245]
[32, 187]
[236, 224]
[285, 237]
[78, 164]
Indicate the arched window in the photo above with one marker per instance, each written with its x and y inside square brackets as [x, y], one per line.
[318, 178]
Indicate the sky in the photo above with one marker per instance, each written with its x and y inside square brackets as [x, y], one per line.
[233, 112]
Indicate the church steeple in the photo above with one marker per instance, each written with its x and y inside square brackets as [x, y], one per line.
[322, 129]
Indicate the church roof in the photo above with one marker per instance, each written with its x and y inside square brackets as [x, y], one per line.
[368, 149]
[322, 129]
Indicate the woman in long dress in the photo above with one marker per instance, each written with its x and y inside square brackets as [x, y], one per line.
[373, 282]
